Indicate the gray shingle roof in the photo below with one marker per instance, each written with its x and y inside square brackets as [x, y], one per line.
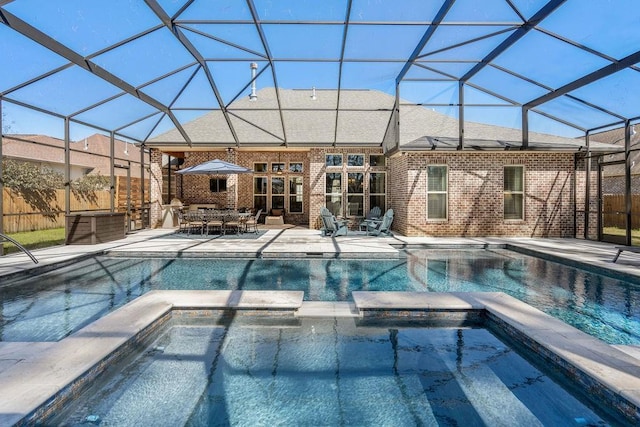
[362, 119]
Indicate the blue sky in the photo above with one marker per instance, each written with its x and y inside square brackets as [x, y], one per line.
[382, 35]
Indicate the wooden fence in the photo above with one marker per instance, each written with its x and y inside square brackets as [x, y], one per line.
[614, 208]
[21, 215]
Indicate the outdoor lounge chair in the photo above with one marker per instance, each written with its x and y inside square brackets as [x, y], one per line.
[382, 226]
[331, 226]
[373, 215]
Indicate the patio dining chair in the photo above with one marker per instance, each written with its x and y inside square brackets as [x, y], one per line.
[194, 221]
[382, 226]
[232, 223]
[331, 226]
[182, 222]
[214, 221]
[251, 224]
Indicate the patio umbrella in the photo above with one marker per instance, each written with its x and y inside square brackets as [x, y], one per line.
[215, 166]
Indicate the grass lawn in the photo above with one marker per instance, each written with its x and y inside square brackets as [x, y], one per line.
[613, 231]
[35, 239]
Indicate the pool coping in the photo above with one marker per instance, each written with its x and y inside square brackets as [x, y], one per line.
[39, 373]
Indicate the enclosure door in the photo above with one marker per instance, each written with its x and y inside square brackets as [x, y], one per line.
[611, 188]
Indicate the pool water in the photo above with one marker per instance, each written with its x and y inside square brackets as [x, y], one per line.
[329, 372]
[54, 305]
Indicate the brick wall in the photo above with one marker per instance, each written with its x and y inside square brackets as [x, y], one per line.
[194, 189]
[245, 183]
[155, 197]
[475, 189]
[317, 169]
[476, 194]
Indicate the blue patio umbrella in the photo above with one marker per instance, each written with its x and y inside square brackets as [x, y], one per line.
[215, 166]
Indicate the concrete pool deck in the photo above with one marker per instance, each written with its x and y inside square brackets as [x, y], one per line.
[298, 241]
[30, 373]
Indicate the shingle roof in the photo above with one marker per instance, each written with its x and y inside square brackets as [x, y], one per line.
[362, 119]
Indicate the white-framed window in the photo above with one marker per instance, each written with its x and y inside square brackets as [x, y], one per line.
[437, 192]
[514, 192]
[260, 187]
[295, 194]
[378, 190]
[355, 160]
[333, 192]
[295, 167]
[277, 192]
[377, 160]
[260, 167]
[333, 160]
[355, 194]
[277, 167]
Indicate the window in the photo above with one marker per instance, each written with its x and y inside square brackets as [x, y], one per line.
[277, 193]
[377, 160]
[295, 167]
[218, 185]
[260, 193]
[333, 160]
[514, 192]
[259, 167]
[437, 192]
[277, 167]
[355, 194]
[377, 190]
[355, 160]
[333, 193]
[295, 194]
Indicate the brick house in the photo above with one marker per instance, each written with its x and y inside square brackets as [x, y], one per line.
[361, 158]
[90, 155]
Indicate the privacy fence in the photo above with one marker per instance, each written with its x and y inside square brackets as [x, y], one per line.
[614, 209]
[46, 211]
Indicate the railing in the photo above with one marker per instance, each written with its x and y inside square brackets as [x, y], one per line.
[5, 238]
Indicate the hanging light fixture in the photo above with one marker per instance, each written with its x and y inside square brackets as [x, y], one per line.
[313, 93]
[279, 171]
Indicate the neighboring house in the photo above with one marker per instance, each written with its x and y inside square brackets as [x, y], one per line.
[405, 159]
[613, 179]
[88, 156]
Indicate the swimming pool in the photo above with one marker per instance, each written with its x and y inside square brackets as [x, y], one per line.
[52, 306]
[328, 372]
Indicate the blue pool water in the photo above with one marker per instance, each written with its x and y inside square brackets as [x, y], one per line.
[54, 305]
[325, 372]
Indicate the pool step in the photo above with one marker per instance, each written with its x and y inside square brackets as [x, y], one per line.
[328, 309]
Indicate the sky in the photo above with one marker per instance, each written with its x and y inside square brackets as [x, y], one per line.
[382, 34]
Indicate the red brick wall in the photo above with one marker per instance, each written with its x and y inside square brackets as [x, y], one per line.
[476, 194]
[156, 188]
[194, 189]
[475, 190]
[317, 176]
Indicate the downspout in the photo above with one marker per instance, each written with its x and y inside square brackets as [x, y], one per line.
[67, 168]
[587, 190]
[1, 182]
[460, 115]
[146, 211]
[525, 129]
[112, 172]
[627, 180]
